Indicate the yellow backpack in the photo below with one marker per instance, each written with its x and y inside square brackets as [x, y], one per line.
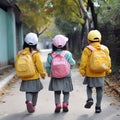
[98, 59]
[24, 66]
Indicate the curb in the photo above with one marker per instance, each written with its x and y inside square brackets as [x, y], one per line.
[6, 80]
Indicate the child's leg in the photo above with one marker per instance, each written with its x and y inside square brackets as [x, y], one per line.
[65, 101]
[57, 97]
[28, 96]
[34, 99]
[89, 101]
[66, 97]
[99, 91]
[29, 102]
[57, 101]
[89, 92]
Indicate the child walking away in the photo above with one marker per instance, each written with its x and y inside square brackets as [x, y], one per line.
[28, 61]
[94, 65]
[58, 66]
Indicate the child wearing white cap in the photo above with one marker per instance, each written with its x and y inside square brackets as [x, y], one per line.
[64, 84]
[32, 85]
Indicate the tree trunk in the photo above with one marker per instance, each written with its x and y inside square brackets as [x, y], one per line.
[85, 27]
[94, 15]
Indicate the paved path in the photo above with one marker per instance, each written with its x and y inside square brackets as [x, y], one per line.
[12, 104]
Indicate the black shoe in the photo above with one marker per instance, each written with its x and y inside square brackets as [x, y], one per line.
[65, 107]
[89, 103]
[98, 109]
[58, 108]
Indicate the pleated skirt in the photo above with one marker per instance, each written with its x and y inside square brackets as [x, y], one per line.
[94, 82]
[61, 84]
[31, 85]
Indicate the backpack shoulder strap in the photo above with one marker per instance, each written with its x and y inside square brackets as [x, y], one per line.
[53, 54]
[103, 47]
[91, 47]
[63, 53]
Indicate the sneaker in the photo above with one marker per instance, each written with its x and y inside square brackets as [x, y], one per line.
[58, 108]
[98, 109]
[29, 106]
[65, 107]
[89, 103]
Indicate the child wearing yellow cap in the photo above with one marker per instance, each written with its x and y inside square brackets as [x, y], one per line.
[93, 78]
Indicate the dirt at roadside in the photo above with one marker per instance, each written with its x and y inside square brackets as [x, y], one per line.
[112, 85]
[8, 86]
[4, 74]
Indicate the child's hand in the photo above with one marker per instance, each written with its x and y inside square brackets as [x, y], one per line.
[49, 75]
[43, 77]
[108, 72]
[83, 75]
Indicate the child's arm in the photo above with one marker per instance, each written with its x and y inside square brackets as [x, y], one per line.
[48, 65]
[84, 62]
[70, 59]
[39, 65]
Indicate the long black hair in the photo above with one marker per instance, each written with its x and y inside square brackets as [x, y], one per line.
[31, 47]
[54, 48]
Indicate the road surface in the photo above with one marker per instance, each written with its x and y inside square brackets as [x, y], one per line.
[12, 104]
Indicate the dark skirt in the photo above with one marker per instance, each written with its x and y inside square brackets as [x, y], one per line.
[94, 82]
[63, 84]
[31, 85]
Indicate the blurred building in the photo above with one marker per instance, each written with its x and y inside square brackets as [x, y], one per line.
[11, 32]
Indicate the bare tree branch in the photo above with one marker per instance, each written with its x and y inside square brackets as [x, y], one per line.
[84, 10]
[42, 31]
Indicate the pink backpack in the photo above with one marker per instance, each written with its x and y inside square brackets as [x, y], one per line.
[60, 67]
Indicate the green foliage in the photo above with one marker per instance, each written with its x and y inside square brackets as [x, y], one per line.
[52, 31]
[67, 15]
[68, 10]
[110, 12]
[65, 26]
[34, 14]
[114, 13]
[37, 14]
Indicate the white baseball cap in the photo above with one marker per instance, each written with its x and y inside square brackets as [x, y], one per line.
[31, 38]
[60, 41]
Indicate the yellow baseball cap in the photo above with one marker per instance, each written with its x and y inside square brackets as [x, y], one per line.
[94, 35]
